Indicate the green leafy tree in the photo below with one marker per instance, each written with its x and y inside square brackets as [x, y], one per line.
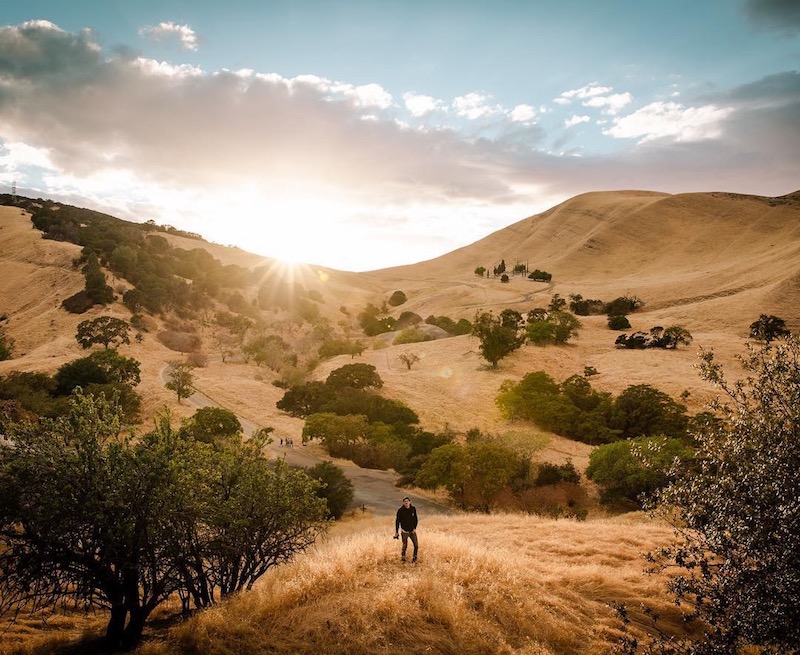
[768, 328]
[549, 326]
[106, 330]
[212, 425]
[335, 487]
[96, 287]
[636, 468]
[496, 340]
[101, 367]
[355, 376]
[474, 474]
[99, 519]
[736, 512]
[642, 410]
[180, 379]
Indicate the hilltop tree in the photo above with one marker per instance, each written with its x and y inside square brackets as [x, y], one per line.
[497, 340]
[768, 328]
[738, 512]
[106, 330]
[180, 379]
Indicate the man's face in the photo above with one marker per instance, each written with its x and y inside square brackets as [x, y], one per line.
[406, 503]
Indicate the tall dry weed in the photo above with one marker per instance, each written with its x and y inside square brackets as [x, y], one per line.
[485, 584]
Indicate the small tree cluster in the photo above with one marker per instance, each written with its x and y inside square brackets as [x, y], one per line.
[574, 409]
[658, 337]
[456, 328]
[551, 326]
[540, 276]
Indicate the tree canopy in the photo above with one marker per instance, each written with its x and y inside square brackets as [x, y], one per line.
[736, 512]
[97, 518]
[497, 340]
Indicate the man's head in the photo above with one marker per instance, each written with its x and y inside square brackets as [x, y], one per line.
[406, 502]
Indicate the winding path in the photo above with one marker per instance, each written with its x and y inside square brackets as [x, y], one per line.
[375, 490]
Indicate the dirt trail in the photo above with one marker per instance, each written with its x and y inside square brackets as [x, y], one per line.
[374, 490]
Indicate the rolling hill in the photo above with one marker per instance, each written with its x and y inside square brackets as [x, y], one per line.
[711, 262]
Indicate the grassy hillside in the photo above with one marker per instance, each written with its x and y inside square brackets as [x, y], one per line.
[507, 584]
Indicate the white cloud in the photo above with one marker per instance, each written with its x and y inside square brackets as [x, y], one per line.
[670, 119]
[589, 91]
[522, 114]
[420, 105]
[370, 95]
[576, 120]
[182, 145]
[162, 31]
[610, 104]
[474, 105]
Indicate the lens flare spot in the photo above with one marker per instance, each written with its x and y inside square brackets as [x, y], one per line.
[323, 276]
[446, 373]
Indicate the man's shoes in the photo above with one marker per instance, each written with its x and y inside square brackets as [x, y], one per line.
[414, 561]
[403, 560]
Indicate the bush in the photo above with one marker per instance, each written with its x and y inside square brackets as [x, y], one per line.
[632, 470]
[397, 299]
[78, 303]
[182, 342]
[548, 473]
[618, 323]
[335, 487]
[411, 335]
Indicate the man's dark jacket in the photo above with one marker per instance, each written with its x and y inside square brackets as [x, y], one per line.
[406, 519]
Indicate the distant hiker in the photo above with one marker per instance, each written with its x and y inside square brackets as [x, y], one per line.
[406, 520]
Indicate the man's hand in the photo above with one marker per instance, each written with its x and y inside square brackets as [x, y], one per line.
[396, 536]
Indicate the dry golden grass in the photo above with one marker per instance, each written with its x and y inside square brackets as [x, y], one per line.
[499, 584]
[485, 584]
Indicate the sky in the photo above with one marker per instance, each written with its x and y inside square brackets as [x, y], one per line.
[363, 134]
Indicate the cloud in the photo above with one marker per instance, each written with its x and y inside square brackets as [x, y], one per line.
[610, 104]
[778, 15]
[170, 30]
[576, 120]
[670, 120]
[475, 105]
[522, 114]
[245, 150]
[589, 91]
[421, 105]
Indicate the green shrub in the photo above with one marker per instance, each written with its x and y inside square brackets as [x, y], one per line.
[397, 299]
[618, 323]
[411, 335]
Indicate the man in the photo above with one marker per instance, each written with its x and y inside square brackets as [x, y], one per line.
[406, 520]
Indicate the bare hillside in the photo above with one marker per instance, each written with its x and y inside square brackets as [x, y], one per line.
[730, 256]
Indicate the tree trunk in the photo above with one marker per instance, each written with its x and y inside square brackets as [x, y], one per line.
[133, 631]
[116, 627]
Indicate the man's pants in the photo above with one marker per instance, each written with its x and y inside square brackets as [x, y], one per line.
[405, 536]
